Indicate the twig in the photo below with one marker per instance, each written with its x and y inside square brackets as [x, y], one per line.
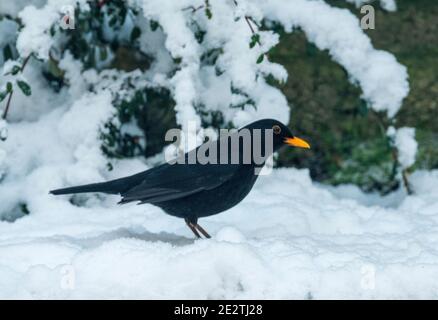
[249, 24]
[253, 21]
[25, 62]
[406, 182]
[194, 9]
[5, 113]
[8, 103]
[248, 20]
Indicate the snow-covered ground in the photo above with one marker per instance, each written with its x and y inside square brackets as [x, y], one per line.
[290, 238]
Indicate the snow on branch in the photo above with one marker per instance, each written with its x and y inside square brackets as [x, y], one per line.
[388, 5]
[383, 80]
[230, 27]
[35, 36]
[407, 146]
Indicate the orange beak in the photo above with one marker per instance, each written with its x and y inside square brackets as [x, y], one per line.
[297, 142]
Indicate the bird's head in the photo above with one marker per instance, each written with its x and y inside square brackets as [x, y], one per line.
[281, 134]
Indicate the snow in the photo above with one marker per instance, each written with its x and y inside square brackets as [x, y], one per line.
[382, 79]
[62, 147]
[35, 36]
[406, 146]
[14, 7]
[404, 141]
[8, 30]
[388, 5]
[288, 239]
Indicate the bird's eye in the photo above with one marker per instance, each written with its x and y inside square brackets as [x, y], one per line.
[276, 129]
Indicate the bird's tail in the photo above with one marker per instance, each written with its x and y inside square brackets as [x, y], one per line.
[112, 187]
[105, 187]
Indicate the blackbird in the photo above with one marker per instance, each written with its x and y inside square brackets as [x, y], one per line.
[194, 189]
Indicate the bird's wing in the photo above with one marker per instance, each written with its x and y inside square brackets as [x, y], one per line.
[169, 182]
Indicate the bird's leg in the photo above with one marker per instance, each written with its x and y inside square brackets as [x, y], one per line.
[192, 227]
[201, 229]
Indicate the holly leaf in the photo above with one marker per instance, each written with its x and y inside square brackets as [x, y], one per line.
[25, 88]
[135, 33]
[15, 70]
[8, 87]
[255, 38]
[7, 53]
[260, 58]
[208, 13]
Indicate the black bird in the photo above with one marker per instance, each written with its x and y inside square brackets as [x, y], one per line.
[194, 190]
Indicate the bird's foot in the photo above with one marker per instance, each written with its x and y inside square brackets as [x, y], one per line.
[195, 227]
[192, 227]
